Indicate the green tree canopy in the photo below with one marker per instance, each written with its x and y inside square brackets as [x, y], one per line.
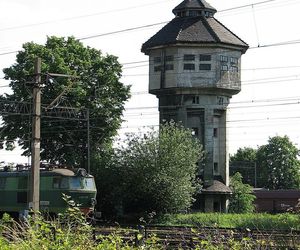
[154, 172]
[241, 200]
[244, 154]
[243, 161]
[278, 164]
[97, 89]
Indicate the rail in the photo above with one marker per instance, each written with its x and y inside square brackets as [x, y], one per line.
[189, 238]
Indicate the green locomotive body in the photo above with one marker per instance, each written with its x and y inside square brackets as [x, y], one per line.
[80, 186]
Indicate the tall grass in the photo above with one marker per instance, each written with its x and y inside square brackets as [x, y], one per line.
[70, 231]
[263, 221]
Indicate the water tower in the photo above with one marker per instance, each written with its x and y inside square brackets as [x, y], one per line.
[194, 70]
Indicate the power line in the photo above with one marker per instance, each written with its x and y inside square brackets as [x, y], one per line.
[80, 17]
[246, 69]
[220, 52]
[247, 5]
[119, 10]
[292, 42]
[155, 24]
[229, 108]
[271, 120]
[272, 80]
[284, 120]
[121, 31]
[150, 114]
[7, 53]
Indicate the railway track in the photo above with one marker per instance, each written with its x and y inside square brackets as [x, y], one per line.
[189, 238]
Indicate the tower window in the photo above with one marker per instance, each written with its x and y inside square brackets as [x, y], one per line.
[205, 57]
[189, 57]
[215, 132]
[234, 69]
[193, 13]
[205, 66]
[220, 100]
[157, 59]
[224, 68]
[181, 14]
[196, 100]
[170, 58]
[157, 68]
[216, 168]
[189, 66]
[224, 58]
[169, 67]
[233, 60]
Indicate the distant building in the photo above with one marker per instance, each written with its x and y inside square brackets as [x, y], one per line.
[195, 65]
[276, 201]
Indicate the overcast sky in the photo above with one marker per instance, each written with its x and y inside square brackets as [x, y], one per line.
[269, 102]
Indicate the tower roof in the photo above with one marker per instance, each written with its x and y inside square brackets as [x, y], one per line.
[194, 24]
[194, 5]
[217, 187]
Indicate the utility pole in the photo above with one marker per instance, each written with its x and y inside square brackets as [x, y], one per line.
[34, 201]
[88, 142]
[255, 174]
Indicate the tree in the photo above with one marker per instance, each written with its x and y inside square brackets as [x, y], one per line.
[278, 164]
[242, 198]
[244, 154]
[244, 162]
[155, 172]
[97, 89]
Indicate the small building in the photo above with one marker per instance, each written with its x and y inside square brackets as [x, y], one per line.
[276, 201]
[194, 70]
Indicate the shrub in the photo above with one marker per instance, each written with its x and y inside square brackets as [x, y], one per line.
[242, 198]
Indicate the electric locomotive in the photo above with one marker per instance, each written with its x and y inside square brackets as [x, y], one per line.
[54, 182]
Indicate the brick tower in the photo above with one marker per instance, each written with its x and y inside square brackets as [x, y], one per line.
[195, 65]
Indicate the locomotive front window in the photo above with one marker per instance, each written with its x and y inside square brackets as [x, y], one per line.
[60, 182]
[89, 183]
[75, 183]
[82, 183]
[64, 183]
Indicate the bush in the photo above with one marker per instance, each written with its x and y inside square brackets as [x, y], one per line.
[241, 200]
[155, 172]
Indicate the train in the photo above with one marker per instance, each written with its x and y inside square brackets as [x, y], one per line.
[54, 182]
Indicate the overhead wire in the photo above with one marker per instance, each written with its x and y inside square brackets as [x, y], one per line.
[245, 69]
[270, 45]
[146, 63]
[150, 25]
[81, 16]
[232, 124]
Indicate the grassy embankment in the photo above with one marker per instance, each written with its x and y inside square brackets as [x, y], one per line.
[252, 221]
[71, 232]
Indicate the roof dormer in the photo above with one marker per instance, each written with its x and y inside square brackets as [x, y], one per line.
[194, 8]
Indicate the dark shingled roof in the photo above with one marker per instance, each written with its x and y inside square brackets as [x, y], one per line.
[194, 4]
[277, 194]
[194, 29]
[217, 188]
